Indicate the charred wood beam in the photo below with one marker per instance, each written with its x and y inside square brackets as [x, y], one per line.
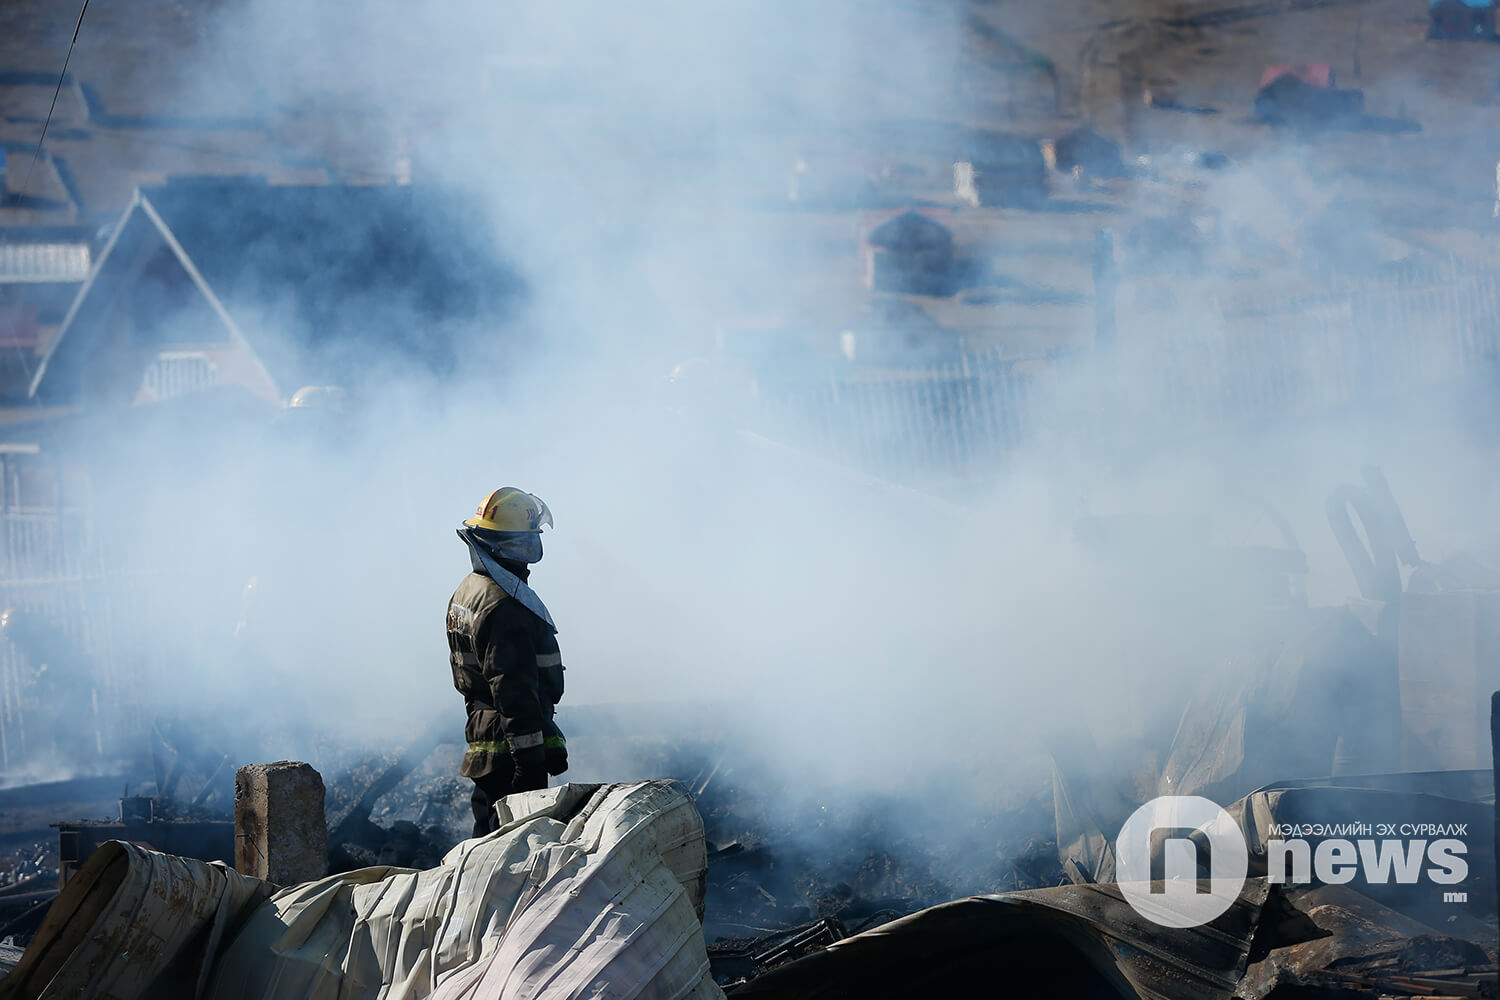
[353, 820]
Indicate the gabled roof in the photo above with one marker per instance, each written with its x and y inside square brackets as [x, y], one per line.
[911, 231]
[1312, 74]
[323, 283]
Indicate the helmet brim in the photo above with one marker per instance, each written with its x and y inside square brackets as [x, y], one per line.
[484, 522]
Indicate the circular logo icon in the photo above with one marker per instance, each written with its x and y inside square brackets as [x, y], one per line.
[1180, 860]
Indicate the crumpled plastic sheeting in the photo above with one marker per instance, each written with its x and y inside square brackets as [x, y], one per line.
[585, 891]
[131, 924]
[581, 892]
[605, 925]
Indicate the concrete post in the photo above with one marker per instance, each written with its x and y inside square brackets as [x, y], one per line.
[279, 831]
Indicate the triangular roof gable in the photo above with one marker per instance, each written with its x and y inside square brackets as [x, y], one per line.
[911, 230]
[140, 233]
[318, 283]
[329, 281]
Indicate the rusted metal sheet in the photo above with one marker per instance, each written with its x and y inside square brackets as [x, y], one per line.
[1334, 938]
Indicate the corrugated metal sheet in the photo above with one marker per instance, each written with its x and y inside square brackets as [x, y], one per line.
[22, 263]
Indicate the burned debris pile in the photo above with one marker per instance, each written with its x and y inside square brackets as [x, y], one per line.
[794, 897]
[1086, 943]
[768, 874]
[790, 872]
[794, 888]
[405, 808]
[1331, 942]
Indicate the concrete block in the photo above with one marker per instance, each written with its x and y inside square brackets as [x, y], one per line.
[280, 833]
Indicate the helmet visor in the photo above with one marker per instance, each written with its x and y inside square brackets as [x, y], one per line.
[544, 515]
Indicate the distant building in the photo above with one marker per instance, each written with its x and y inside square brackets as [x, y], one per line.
[909, 253]
[1312, 74]
[1000, 170]
[1091, 152]
[234, 282]
[36, 191]
[1462, 19]
[41, 270]
[897, 333]
[1305, 95]
[835, 181]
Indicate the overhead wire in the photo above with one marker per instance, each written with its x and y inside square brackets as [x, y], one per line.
[36, 153]
[56, 91]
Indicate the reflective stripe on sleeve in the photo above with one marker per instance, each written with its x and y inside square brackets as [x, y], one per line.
[527, 742]
[549, 659]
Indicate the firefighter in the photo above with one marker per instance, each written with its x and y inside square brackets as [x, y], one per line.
[502, 646]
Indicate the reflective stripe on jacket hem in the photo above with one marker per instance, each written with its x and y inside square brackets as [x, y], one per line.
[503, 746]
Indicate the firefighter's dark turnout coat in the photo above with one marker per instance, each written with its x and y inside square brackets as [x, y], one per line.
[507, 666]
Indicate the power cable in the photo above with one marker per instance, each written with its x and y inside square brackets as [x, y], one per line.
[56, 91]
[36, 153]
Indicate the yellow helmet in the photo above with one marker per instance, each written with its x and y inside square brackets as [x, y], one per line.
[510, 509]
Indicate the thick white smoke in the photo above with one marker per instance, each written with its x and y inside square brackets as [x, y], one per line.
[862, 635]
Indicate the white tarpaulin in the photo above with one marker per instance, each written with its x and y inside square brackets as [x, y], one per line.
[585, 891]
[129, 920]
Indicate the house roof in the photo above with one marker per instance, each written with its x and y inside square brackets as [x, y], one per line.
[911, 231]
[324, 283]
[1000, 149]
[1312, 74]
